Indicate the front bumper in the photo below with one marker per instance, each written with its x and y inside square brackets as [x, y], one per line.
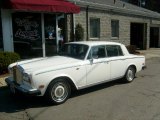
[12, 84]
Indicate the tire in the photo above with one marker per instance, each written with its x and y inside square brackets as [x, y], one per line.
[130, 74]
[13, 91]
[58, 91]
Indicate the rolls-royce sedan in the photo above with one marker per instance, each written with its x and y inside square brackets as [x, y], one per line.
[78, 65]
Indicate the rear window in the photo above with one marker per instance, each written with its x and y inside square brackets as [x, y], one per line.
[114, 50]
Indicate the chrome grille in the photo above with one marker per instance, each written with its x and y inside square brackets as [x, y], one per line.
[17, 75]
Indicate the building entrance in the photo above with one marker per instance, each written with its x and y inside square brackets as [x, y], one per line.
[138, 32]
[154, 37]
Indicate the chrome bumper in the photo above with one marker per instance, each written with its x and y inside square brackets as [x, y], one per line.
[21, 89]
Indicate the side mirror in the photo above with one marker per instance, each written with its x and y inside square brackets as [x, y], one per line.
[91, 60]
[95, 57]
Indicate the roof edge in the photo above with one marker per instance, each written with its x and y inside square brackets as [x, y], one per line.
[111, 8]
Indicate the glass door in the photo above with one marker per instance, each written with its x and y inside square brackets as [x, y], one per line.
[54, 25]
[50, 34]
[61, 30]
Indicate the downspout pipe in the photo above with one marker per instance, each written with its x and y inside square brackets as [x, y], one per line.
[87, 20]
[74, 25]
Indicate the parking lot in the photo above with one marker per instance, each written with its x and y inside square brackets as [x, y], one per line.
[115, 100]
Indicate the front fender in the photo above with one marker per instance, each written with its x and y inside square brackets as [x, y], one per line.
[63, 76]
[46, 79]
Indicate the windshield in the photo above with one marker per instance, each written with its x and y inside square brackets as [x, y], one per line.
[77, 51]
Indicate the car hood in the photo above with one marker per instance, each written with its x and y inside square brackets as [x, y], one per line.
[47, 63]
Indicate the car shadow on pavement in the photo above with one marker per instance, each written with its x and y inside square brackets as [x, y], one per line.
[97, 87]
[11, 104]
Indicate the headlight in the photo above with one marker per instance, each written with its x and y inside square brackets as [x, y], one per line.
[26, 77]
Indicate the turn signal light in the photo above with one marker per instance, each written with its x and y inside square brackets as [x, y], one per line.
[41, 86]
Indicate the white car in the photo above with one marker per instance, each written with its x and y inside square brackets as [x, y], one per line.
[79, 65]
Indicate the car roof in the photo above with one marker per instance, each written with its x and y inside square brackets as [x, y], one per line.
[93, 43]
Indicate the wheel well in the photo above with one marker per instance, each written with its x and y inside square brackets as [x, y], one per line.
[72, 85]
[133, 67]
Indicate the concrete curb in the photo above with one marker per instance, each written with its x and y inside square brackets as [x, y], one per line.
[2, 82]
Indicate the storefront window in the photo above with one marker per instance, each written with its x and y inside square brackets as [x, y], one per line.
[1, 37]
[27, 35]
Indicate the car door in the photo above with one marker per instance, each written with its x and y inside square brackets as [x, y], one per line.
[117, 61]
[98, 68]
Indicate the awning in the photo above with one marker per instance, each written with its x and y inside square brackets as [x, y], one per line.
[61, 6]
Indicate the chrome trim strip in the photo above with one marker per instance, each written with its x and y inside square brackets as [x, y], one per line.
[57, 69]
[89, 64]
[98, 83]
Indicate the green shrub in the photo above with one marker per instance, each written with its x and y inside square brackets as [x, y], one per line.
[7, 58]
[79, 32]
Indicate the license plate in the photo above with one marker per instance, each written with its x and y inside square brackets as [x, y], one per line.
[12, 89]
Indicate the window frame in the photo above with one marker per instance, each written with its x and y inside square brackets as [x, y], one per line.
[115, 29]
[97, 30]
[90, 55]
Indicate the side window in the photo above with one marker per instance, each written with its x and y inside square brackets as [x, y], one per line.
[114, 50]
[97, 52]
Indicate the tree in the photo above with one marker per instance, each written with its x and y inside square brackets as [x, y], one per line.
[148, 4]
[79, 32]
[153, 5]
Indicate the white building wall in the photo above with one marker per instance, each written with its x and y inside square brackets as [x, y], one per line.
[7, 30]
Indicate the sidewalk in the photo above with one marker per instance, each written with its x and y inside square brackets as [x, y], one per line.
[150, 53]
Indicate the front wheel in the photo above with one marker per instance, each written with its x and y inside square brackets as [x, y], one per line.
[130, 74]
[58, 91]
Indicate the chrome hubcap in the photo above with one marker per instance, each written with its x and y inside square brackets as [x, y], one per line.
[130, 75]
[59, 92]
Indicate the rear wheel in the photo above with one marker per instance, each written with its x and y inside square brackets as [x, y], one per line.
[58, 91]
[130, 74]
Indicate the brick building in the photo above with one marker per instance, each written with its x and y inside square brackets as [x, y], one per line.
[114, 20]
[35, 33]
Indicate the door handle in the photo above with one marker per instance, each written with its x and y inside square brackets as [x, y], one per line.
[106, 62]
[77, 68]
